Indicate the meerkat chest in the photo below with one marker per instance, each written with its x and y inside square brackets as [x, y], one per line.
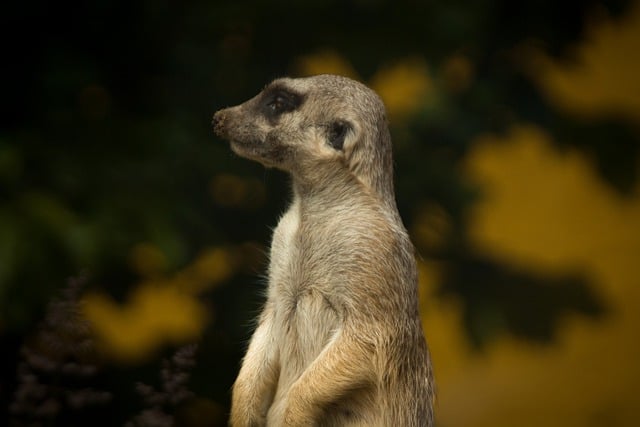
[284, 250]
[297, 265]
[301, 298]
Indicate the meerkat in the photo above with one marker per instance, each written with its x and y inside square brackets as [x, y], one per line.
[339, 341]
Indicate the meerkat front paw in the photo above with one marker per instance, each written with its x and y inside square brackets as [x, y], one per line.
[243, 418]
[290, 412]
[244, 410]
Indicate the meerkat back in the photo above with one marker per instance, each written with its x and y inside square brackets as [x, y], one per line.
[339, 341]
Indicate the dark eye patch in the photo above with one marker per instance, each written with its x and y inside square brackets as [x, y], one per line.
[278, 100]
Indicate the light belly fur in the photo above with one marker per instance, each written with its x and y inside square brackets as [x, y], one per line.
[304, 320]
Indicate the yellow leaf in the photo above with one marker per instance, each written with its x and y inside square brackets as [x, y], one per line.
[603, 78]
[457, 73]
[546, 210]
[147, 260]
[403, 86]
[152, 317]
[324, 62]
[213, 266]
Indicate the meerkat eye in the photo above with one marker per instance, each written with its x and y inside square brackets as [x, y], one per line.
[278, 103]
[337, 133]
[279, 100]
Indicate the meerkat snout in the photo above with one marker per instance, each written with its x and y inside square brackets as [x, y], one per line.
[216, 123]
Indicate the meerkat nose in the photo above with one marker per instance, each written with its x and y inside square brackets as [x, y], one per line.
[217, 122]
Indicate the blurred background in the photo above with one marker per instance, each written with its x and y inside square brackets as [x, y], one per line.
[128, 230]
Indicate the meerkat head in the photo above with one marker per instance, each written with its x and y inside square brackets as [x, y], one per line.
[314, 124]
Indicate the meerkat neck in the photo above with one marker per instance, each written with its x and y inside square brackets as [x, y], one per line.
[375, 167]
[330, 184]
[339, 184]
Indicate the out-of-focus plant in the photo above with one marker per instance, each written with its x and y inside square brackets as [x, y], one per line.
[57, 369]
[162, 402]
[160, 310]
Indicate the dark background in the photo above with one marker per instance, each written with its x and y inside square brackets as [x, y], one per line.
[105, 145]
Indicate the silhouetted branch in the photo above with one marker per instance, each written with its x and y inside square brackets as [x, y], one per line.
[173, 391]
[57, 367]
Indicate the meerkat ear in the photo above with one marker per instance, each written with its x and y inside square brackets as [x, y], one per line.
[337, 133]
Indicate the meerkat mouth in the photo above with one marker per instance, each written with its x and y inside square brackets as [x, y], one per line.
[244, 148]
[259, 151]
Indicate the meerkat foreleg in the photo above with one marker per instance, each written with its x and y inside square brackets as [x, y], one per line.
[256, 384]
[343, 366]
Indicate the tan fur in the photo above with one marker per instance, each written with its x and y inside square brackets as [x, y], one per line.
[339, 342]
